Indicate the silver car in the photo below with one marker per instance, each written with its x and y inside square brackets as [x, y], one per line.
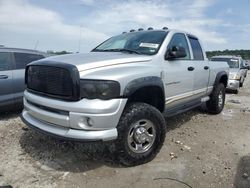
[237, 71]
[12, 70]
[247, 64]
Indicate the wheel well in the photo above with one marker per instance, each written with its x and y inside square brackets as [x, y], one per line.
[152, 95]
[224, 80]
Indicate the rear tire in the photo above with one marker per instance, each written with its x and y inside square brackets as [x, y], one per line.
[217, 99]
[241, 83]
[141, 134]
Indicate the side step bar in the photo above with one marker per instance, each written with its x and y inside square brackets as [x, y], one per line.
[205, 99]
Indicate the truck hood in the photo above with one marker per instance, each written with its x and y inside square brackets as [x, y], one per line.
[86, 61]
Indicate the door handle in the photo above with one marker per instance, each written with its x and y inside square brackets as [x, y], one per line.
[190, 68]
[206, 67]
[3, 77]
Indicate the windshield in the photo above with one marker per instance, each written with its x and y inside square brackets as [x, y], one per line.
[232, 62]
[143, 42]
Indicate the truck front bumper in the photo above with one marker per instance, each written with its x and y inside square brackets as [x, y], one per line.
[84, 120]
[233, 84]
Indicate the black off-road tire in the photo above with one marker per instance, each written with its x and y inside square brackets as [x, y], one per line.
[133, 113]
[213, 105]
[241, 83]
[236, 91]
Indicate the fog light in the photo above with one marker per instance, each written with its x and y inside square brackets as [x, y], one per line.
[90, 122]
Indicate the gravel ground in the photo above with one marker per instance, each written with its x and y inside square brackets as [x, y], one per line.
[200, 150]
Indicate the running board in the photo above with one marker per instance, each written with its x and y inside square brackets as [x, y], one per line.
[205, 99]
[181, 109]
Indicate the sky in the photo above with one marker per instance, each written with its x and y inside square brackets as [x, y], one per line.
[80, 25]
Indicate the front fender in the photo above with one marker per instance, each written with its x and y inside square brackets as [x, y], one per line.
[139, 83]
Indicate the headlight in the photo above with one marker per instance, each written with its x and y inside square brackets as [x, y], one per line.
[231, 76]
[237, 77]
[99, 89]
[234, 77]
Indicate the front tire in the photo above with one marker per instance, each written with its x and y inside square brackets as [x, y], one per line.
[236, 91]
[217, 99]
[141, 134]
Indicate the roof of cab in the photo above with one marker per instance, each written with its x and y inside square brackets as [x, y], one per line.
[166, 30]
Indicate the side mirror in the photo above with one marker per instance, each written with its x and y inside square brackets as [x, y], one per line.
[243, 67]
[175, 52]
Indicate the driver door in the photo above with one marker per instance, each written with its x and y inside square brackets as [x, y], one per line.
[178, 75]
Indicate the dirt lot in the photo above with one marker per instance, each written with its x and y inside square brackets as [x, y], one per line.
[200, 150]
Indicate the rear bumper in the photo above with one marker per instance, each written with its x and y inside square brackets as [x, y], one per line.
[233, 84]
[84, 120]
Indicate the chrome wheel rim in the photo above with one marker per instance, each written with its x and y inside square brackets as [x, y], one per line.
[220, 97]
[141, 136]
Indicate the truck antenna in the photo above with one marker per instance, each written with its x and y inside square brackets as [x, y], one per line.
[36, 45]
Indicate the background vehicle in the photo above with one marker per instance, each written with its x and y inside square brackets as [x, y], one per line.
[247, 64]
[237, 71]
[12, 71]
[120, 90]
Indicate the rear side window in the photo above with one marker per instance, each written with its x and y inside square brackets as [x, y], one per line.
[232, 62]
[22, 59]
[5, 61]
[196, 47]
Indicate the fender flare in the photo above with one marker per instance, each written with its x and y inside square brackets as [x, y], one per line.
[142, 82]
[219, 76]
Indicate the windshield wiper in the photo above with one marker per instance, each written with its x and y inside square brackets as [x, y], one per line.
[119, 50]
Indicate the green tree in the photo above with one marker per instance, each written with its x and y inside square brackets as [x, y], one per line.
[245, 54]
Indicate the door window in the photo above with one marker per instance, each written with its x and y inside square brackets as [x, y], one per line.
[179, 40]
[22, 59]
[196, 47]
[5, 61]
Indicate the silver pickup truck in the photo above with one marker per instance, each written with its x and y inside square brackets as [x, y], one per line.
[237, 71]
[120, 90]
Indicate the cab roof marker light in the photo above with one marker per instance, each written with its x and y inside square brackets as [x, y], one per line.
[140, 29]
[150, 28]
[132, 30]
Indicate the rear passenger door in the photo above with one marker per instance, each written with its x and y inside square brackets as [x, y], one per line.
[6, 82]
[21, 60]
[201, 68]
